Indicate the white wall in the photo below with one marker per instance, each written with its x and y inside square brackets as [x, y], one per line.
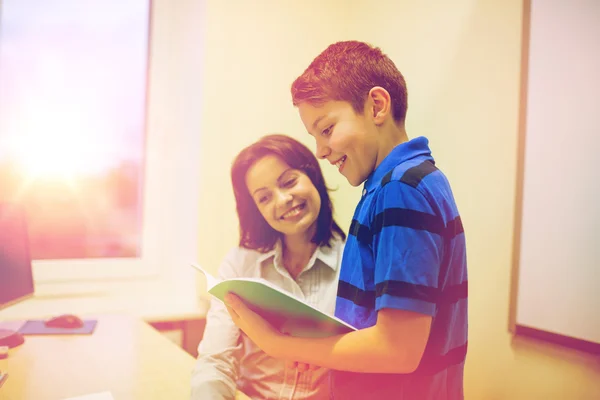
[462, 63]
[254, 50]
[559, 252]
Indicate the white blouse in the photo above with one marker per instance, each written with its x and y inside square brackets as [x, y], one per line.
[229, 361]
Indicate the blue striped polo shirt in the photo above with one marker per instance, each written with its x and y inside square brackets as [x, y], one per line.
[406, 250]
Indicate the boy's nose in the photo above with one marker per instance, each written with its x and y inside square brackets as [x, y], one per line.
[323, 151]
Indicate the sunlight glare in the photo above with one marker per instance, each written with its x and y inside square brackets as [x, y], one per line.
[58, 148]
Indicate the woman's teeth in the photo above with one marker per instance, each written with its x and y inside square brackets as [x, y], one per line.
[293, 212]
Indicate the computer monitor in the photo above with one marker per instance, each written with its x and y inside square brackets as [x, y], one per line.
[16, 275]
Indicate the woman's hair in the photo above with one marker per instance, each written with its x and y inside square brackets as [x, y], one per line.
[255, 232]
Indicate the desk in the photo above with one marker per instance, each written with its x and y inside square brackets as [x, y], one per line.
[164, 309]
[124, 356]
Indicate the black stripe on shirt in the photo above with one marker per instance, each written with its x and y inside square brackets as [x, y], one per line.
[387, 178]
[366, 298]
[361, 232]
[449, 295]
[407, 218]
[454, 228]
[413, 176]
[405, 289]
[454, 293]
[362, 298]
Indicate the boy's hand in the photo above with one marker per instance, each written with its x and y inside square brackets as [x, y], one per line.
[269, 339]
[254, 326]
[300, 366]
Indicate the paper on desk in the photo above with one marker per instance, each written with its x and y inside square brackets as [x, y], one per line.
[94, 396]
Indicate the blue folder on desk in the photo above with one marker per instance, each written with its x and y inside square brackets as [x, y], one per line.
[37, 327]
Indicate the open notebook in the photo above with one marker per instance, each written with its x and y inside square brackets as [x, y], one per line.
[281, 308]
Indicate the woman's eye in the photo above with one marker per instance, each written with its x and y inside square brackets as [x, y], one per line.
[289, 182]
[327, 131]
[263, 199]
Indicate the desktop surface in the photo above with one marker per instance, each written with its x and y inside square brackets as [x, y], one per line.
[124, 356]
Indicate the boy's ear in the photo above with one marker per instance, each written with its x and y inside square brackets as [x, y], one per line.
[379, 104]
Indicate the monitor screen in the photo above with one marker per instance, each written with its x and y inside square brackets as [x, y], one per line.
[16, 275]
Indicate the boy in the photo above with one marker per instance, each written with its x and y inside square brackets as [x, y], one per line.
[403, 280]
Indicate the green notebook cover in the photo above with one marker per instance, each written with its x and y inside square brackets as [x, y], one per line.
[285, 312]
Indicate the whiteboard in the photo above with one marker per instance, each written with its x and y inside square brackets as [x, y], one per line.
[559, 258]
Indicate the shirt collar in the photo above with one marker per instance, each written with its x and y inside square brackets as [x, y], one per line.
[403, 152]
[327, 255]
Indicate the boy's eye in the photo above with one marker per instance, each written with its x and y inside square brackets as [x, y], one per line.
[327, 131]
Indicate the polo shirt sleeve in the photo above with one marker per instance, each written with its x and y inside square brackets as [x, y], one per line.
[407, 246]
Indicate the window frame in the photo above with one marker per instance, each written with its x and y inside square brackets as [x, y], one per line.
[171, 172]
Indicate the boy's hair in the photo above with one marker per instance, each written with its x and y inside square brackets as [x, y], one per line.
[255, 232]
[347, 71]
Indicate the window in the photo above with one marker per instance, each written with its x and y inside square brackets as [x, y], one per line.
[72, 112]
[102, 192]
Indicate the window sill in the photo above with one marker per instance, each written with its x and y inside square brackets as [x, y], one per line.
[152, 300]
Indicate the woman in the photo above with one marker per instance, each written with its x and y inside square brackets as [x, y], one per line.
[288, 237]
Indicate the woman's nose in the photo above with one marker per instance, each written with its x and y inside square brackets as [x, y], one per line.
[283, 196]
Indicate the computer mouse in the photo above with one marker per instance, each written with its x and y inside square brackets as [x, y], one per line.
[64, 321]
